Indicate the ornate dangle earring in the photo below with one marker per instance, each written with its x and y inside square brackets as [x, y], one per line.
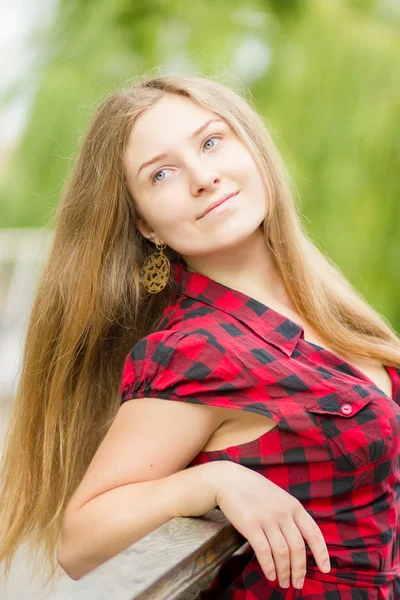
[155, 271]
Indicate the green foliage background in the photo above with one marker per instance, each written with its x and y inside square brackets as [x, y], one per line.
[329, 90]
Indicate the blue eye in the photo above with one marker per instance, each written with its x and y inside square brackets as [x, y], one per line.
[155, 181]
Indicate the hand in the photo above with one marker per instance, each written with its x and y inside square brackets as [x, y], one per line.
[273, 522]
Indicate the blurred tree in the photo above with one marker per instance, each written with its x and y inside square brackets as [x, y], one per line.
[325, 75]
[333, 93]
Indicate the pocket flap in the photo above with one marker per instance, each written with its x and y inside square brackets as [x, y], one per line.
[343, 405]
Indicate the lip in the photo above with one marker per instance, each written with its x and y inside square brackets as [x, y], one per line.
[217, 203]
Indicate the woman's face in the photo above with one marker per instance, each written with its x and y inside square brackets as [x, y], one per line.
[173, 192]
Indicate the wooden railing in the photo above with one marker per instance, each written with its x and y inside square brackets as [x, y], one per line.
[175, 561]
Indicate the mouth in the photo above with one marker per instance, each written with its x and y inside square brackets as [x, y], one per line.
[216, 207]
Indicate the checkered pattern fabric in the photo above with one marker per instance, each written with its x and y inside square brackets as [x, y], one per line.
[335, 446]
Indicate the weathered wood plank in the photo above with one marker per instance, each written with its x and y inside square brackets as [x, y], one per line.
[175, 560]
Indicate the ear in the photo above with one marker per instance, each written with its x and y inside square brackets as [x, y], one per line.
[144, 228]
[147, 231]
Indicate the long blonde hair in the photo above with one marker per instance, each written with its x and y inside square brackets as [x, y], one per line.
[90, 307]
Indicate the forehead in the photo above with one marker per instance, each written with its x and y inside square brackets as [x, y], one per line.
[169, 122]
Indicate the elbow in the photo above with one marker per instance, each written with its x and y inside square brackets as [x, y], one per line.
[66, 567]
[68, 562]
[68, 557]
[71, 564]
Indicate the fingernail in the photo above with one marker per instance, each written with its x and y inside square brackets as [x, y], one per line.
[299, 583]
[285, 584]
[327, 566]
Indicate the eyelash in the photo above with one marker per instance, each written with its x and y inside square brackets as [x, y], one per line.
[153, 177]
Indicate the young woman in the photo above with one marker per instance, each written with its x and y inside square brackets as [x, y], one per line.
[185, 319]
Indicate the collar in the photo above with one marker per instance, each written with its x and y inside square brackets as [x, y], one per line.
[271, 326]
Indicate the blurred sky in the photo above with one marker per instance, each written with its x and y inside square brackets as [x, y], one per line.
[20, 59]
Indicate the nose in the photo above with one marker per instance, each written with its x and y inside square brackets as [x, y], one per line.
[202, 178]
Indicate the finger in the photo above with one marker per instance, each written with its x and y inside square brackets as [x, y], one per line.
[297, 550]
[313, 535]
[263, 552]
[280, 553]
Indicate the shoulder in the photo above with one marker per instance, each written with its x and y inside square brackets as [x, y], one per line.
[197, 346]
[171, 364]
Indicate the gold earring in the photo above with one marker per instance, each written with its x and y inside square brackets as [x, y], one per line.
[155, 271]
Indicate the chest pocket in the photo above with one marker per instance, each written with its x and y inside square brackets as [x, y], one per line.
[356, 429]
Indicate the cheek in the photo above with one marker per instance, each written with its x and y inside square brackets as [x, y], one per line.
[243, 165]
[172, 212]
[163, 208]
[170, 217]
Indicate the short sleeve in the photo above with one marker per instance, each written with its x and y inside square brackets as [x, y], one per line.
[190, 367]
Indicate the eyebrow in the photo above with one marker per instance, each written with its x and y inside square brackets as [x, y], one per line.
[191, 137]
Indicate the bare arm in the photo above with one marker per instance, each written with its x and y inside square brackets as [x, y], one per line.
[137, 481]
[113, 521]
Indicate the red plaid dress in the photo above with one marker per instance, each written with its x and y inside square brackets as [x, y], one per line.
[336, 446]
